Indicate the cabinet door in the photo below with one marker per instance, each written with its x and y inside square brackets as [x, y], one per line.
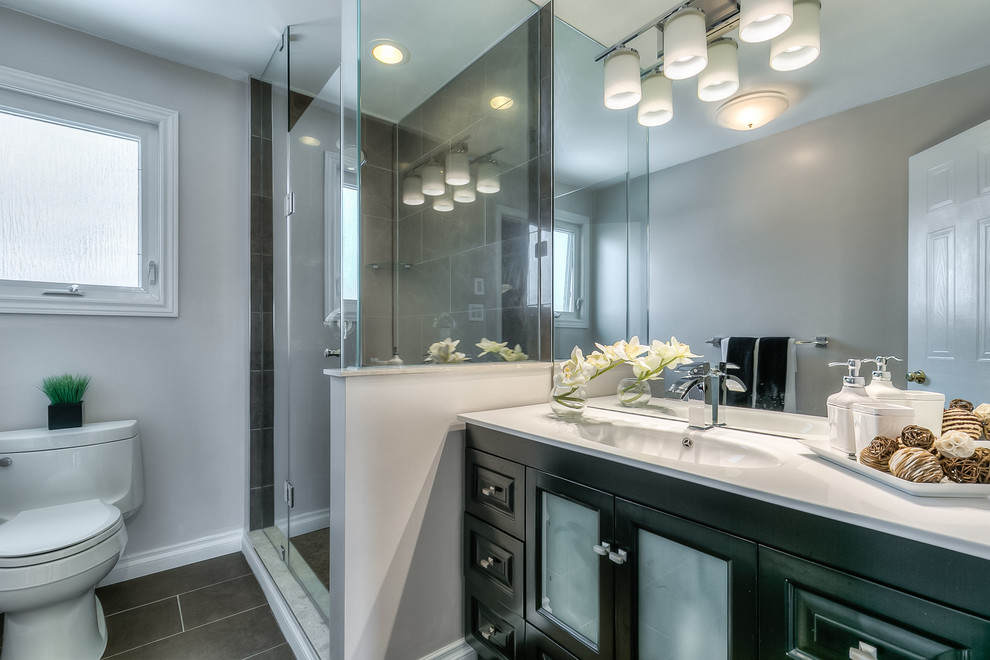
[569, 578]
[686, 591]
[541, 647]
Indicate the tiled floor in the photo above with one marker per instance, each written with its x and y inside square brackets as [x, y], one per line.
[314, 548]
[213, 610]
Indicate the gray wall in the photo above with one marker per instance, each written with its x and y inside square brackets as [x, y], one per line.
[802, 233]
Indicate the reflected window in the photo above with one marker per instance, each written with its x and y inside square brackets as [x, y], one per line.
[349, 245]
[571, 266]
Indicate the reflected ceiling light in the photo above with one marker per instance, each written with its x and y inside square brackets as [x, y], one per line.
[432, 179]
[309, 141]
[458, 171]
[489, 177]
[657, 106]
[762, 20]
[720, 79]
[387, 51]
[800, 44]
[752, 110]
[464, 194]
[412, 190]
[444, 204]
[685, 44]
[501, 102]
[622, 89]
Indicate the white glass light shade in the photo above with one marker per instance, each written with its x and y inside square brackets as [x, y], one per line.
[657, 106]
[720, 79]
[432, 180]
[412, 190]
[443, 204]
[750, 111]
[464, 194]
[622, 88]
[458, 171]
[762, 20]
[685, 46]
[800, 45]
[488, 178]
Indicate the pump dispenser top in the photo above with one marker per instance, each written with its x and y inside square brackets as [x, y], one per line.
[881, 387]
[841, 429]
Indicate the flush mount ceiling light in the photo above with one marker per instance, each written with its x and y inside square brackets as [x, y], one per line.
[501, 102]
[389, 52]
[488, 177]
[622, 89]
[720, 79]
[433, 180]
[657, 106]
[458, 170]
[685, 45]
[762, 20]
[412, 190]
[309, 141]
[464, 194]
[443, 204]
[750, 111]
[800, 44]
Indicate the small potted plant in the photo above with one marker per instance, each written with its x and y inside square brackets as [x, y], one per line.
[65, 393]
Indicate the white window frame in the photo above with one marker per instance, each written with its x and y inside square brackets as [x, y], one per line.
[157, 294]
[581, 225]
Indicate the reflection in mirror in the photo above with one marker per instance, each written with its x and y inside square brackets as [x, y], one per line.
[452, 225]
[799, 228]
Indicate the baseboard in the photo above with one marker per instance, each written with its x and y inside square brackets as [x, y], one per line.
[459, 650]
[305, 523]
[173, 556]
[287, 623]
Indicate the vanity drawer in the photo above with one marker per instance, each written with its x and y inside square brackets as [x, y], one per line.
[493, 632]
[493, 488]
[541, 647]
[493, 564]
[811, 612]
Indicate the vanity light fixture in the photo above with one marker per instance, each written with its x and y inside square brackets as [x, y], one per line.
[762, 20]
[412, 190]
[464, 194]
[458, 171]
[800, 45]
[685, 44]
[657, 106]
[389, 52]
[488, 177]
[749, 111]
[500, 102]
[433, 179]
[443, 204]
[309, 140]
[720, 79]
[622, 88]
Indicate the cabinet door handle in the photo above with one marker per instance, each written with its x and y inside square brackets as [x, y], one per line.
[488, 562]
[864, 652]
[491, 632]
[490, 491]
[602, 549]
[619, 557]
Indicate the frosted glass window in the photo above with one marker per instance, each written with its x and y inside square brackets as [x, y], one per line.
[71, 204]
[349, 245]
[683, 602]
[570, 565]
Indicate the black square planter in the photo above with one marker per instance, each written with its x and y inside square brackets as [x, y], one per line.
[64, 415]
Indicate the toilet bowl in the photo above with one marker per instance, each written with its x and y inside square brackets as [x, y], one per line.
[52, 555]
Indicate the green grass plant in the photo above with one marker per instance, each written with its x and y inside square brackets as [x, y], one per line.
[65, 388]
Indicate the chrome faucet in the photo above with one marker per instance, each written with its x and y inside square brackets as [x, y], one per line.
[712, 379]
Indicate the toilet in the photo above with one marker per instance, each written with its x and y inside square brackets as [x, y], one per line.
[64, 496]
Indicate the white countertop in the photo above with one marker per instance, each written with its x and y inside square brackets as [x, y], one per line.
[802, 481]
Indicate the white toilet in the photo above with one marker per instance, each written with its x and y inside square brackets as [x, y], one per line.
[63, 499]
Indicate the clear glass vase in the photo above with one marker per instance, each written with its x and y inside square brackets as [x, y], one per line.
[568, 402]
[633, 393]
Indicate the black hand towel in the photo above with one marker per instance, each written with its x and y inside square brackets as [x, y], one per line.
[771, 373]
[740, 353]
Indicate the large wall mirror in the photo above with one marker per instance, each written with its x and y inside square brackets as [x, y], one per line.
[798, 228]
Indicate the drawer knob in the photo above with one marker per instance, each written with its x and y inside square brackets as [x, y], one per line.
[488, 562]
[491, 632]
[864, 652]
[490, 491]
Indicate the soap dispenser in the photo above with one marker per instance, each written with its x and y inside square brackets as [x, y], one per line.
[841, 428]
[880, 387]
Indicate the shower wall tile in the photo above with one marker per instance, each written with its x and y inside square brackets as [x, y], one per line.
[378, 142]
[409, 239]
[376, 339]
[455, 231]
[410, 339]
[376, 292]
[377, 192]
[424, 288]
[376, 240]
[478, 264]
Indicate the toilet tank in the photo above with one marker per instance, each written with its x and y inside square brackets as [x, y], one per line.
[96, 461]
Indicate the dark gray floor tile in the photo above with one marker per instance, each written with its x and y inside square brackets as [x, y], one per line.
[220, 601]
[283, 652]
[142, 625]
[314, 548]
[150, 588]
[233, 638]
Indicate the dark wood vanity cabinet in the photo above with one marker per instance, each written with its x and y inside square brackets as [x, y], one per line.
[575, 557]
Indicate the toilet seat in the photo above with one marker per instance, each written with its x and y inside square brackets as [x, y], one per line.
[38, 536]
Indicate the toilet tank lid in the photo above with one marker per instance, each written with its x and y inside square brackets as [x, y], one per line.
[87, 434]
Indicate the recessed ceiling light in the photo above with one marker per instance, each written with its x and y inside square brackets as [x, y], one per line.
[501, 102]
[387, 51]
[309, 141]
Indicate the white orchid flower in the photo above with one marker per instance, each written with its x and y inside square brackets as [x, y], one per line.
[576, 371]
[513, 354]
[444, 352]
[490, 346]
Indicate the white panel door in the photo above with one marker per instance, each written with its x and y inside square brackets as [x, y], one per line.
[949, 266]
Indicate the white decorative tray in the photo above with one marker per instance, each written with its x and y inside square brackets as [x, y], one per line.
[944, 489]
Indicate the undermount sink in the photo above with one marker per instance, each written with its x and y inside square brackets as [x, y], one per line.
[714, 447]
